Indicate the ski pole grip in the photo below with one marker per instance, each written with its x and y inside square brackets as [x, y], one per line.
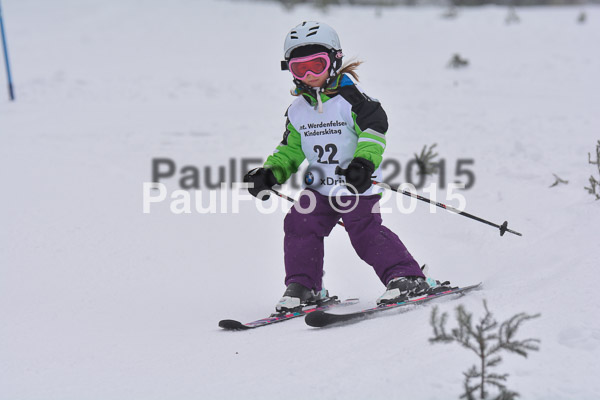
[340, 171]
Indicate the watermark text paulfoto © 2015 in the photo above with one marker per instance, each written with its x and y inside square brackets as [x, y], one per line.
[190, 177]
[227, 196]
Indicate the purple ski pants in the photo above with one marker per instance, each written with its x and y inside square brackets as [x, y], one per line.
[374, 243]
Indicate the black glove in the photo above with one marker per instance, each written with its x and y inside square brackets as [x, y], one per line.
[358, 175]
[263, 179]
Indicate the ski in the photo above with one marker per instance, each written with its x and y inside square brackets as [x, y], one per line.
[320, 318]
[233, 325]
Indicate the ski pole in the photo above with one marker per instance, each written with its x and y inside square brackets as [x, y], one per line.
[11, 92]
[291, 200]
[503, 228]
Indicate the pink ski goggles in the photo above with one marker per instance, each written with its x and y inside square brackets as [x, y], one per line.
[316, 64]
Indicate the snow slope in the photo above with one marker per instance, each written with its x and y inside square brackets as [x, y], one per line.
[101, 301]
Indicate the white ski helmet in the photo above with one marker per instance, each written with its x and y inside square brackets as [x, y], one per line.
[308, 35]
[311, 32]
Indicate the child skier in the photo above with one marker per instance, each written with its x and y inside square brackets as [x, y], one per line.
[332, 123]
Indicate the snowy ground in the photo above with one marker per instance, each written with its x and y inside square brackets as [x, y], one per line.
[101, 301]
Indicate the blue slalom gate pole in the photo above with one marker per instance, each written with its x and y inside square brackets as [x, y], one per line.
[11, 93]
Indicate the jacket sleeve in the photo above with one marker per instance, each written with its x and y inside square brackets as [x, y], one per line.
[370, 124]
[288, 155]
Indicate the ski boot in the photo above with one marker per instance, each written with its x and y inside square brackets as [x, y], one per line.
[405, 287]
[297, 296]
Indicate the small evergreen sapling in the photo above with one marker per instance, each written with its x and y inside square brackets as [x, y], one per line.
[458, 62]
[594, 188]
[486, 339]
[425, 160]
[512, 17]
[451, 12]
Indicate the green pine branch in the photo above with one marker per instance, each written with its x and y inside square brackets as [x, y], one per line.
[487, 339]
[594, 188]
[425, 160]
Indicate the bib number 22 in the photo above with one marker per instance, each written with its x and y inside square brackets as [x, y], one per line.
[329, 148]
